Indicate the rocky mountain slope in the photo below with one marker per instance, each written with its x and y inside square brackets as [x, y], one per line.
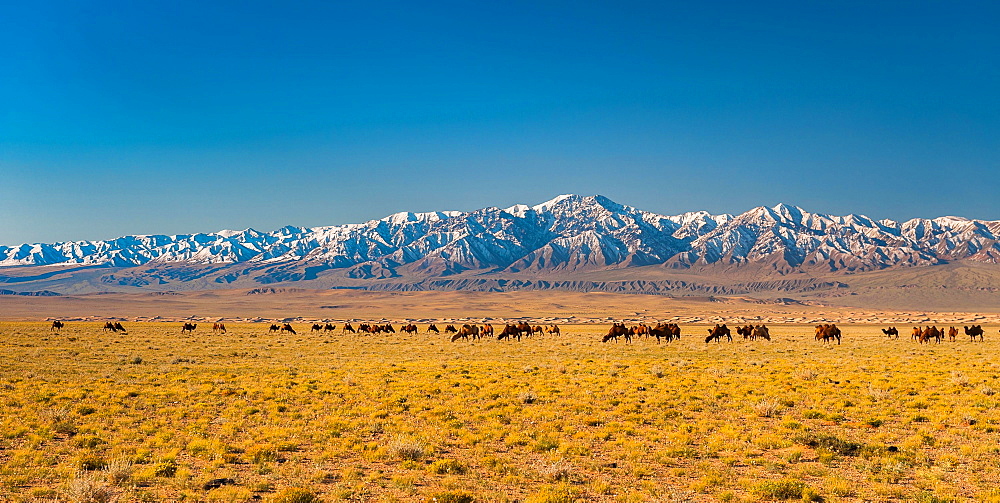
[573, 242]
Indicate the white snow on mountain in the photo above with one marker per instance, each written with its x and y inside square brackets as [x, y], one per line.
[569, 232]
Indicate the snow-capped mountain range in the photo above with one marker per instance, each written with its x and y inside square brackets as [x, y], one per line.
[568, 234]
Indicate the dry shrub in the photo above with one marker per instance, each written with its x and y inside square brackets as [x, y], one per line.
[296, 495]
[560, 470]
[960, 379]
[447, 466]
[451, 497]
[878, 394]
[119, 470]
[787, 489]
[807, 374]
[528, 397]
[767, 408]
[830, 443]
[88, 488]
[561, 494]
[406, 448]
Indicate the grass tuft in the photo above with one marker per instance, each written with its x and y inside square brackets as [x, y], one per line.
[87, 487]
[406, 448]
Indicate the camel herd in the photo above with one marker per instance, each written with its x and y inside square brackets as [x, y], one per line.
[666, 331]
[937, 335]
[825, 333]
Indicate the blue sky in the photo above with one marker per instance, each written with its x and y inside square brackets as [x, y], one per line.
[178, 117]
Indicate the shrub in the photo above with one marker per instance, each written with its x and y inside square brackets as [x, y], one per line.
[259, 454]
[119, 470]
[546, 444]
[878, 394]
[960, 379]
[807, 374]
[451, 497]
[87, 488]
[65, 427]
[166, 468]
[296, 495]
[830, 443]
[88, 442]
[406, 448]
[91, 462]
[446, 466]
[874, 422]
[767, 408]
[552, 495]
[785, 490]
[560, 470]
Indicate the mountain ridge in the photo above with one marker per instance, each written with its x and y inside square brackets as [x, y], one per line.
[565, 239]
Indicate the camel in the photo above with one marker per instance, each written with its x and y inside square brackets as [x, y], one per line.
[745, 331]
[288, 328]
[114, 327]
[929, 333]
[618, 330]
[219, 327]
[409, 329]
[974, 331]
[472, 330]
[675, 330]
[189, 327]
[466, 332]
[347, 328]
[662, 330]
[329, 327]
[509, 331]
[433, 328]
[525, 328]
[273, 328]
[316, 327]
[827, 333]
[552, 329]
[487, 330]
[761, 332]
[718, 333]
[57, 326]
[640, 329]
[952, 333]
[891, 332]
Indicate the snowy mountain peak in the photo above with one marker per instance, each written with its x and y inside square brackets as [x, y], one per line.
[518, 210]
[564, 234]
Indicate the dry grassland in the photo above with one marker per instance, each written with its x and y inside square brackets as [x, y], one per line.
[156, 416]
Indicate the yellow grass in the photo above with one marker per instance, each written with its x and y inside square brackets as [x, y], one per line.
[154, 415]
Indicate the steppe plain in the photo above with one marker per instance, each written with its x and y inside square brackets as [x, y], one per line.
[156, 415]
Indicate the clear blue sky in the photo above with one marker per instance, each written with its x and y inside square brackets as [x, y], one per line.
[177, 117]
